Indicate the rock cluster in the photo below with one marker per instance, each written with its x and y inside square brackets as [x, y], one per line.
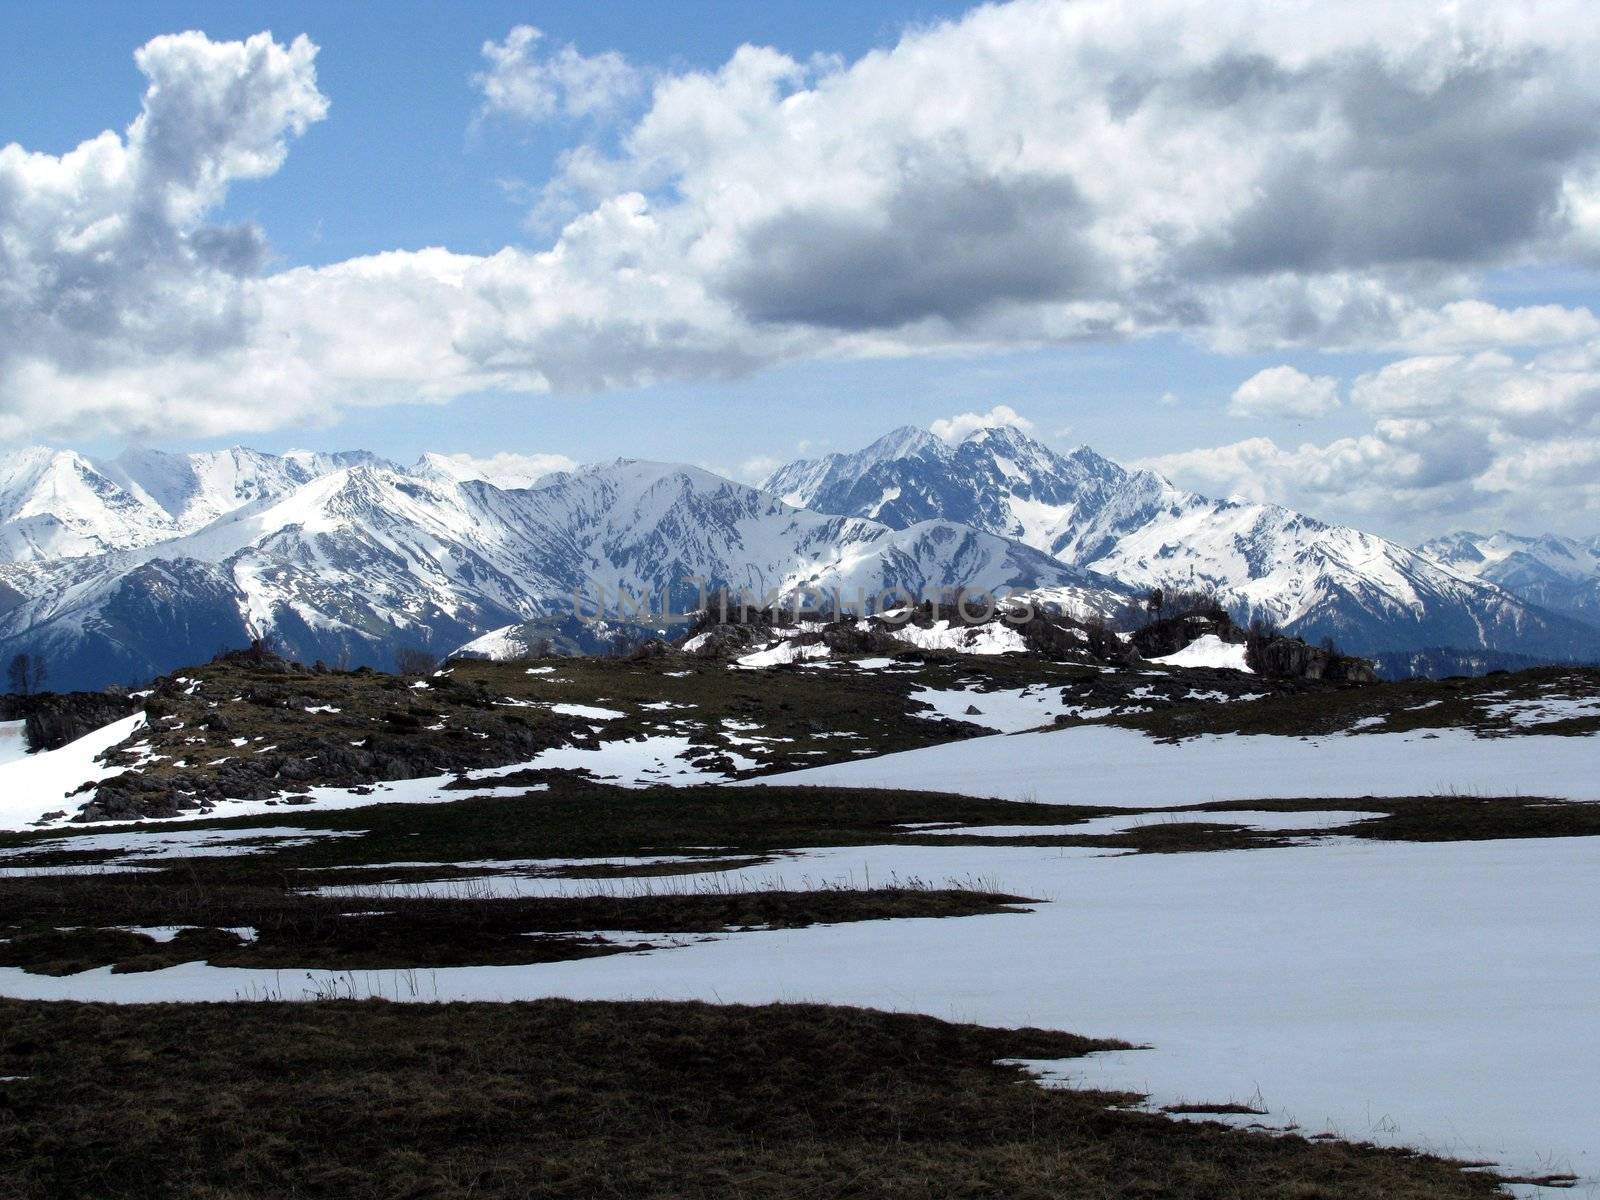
[55, 718]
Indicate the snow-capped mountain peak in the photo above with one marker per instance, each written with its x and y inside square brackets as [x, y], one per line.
[58, 503]
[1088, 511]
[120, 569]
[1560, 573]
[363, 560]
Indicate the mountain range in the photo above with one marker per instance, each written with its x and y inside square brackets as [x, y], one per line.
[1306, 576]
[349, 559]
[1558, 573]
[115, 571]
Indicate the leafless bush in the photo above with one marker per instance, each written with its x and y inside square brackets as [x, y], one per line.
[412, 660]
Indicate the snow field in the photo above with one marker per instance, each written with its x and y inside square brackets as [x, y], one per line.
[1439, 995]
[1106, 765]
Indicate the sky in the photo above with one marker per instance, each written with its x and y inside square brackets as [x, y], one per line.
[1339, 257]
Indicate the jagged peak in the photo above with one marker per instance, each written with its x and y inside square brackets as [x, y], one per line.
[1085, 453]
[1004, 434]
[906, 441]
[37, 459]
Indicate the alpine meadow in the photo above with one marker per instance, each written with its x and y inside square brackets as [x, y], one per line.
[899, 599]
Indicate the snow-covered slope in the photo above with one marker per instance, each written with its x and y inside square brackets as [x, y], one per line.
[519, 472]
[1312, 578]
[996, 479]
[353, 565]
[650, 526]
[1558, 573]
[118, 568]
[57, 503]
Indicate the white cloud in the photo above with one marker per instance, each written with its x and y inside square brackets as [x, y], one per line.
[1262, 175]
[523, 83]
[1400, 476]
[1285, 392]
[114, 292]
[756, 469]
[1482, 439]
[954, 429]
[1471, 324]
[505, 469]
[1548, 395]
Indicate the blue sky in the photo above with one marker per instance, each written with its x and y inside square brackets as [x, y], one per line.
[390, 142]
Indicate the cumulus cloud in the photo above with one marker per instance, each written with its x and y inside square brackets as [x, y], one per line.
[954, 429]
[1401, 470]
[1488, 438]
[112, 286]
[524, 81]
[1546, 396]
[1035, 173]
[1041, 171]
[756, 468]
[1469, 324]
[1285, 392]
[504, 470]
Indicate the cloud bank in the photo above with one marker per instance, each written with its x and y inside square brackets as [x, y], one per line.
[960, 426]
[1256, 177]
[1453, 436]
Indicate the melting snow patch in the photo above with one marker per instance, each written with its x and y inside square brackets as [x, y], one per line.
[1001, 711]
[1207, 651]
[645, 762]
[1122, 768]
[144, 842]
[995, 637]
[1545, 710]
[587, 711]
[1110, 826]
[1343, 984]
[13, 741]
[70, 869]
[783, 652]
[165, 933]
[32, 785]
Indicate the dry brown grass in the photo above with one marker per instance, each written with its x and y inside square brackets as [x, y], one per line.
[559, 1099]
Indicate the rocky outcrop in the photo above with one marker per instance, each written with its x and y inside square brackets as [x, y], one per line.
[1287, 657]
[1171, 634]
[1051, 635]
[320, 761]
[1267, 653]
[1062, 638]
[55, 718]
[848, 637]
[393, 731]
[725, 641]
[651, 648]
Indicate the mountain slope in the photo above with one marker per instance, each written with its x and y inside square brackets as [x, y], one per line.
[57, 503]
[1312, 578]
[1558, 573]
[354, 565]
